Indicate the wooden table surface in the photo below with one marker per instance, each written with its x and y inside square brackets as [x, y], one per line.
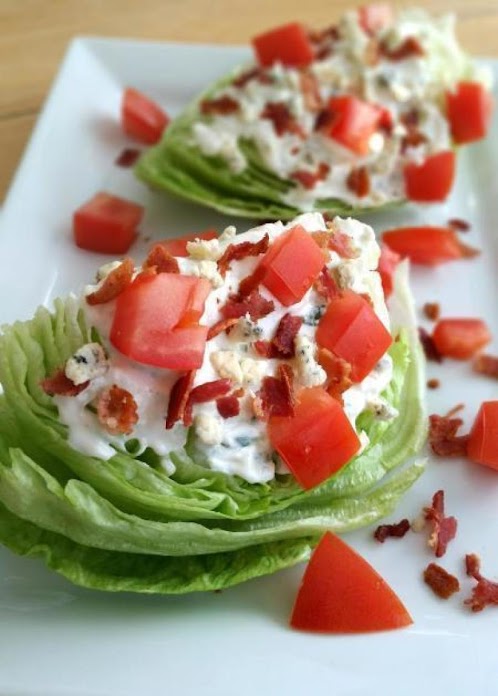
[34, 35]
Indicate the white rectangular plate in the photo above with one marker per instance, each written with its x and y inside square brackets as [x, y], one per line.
[59, 639]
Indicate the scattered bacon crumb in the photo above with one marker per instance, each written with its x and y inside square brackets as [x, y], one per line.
[209, 391]
[358, 181]
[117, 410]
[443, 437]
[250, 282]
[324, 120]
[127, 157]
[443, 528]
[282, 344]
[114, 283]
[410, 119]
[254, 304]
[409, 48]
[413, 138]
[318, 36]
[338, 373]
[433, 383]
[60, 385]
[397, 530]
[428, 345]
[220, 326]
[223, 106]
[283, 121]
[311, 91]
[309, 180]
[335, 241]
[485, 592]
[442, 583]
[453, 411]
[178, 398]
[325, 285]
[486, 365]
[432, 310]
[161, 260]
[228, 406]
[237, 252]
[275, 398]
[253, 74]
[459, 224]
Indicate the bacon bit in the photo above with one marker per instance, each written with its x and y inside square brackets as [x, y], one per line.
[127, 157]
[283, 121]
[222, 106]
[429, 347]
[250, 283]
[161, 260]
[341, 244]
[287, 331]
[117, 410]
[413, 138]
[307, 179]
[443, 437]
[319, 36]
[60, 385]
[410, 119]
[114, 284]
[323, 52]
[409, 48]
[275, 398]
[453, 411]
[459, 225]
[468, 252]
[397, 530]
[486, 365]
[432, 310]
[433, 383]
[325, 285]
[442, 583]
[237, 252]
[228, 406]
[209, 391]
[254, 304]
[311, 91]
[485, 592]
[220, 326]
[265, 349]
[254, 74]
[338, 373]
[443, 528]
[358, 181]
[324, 121]
[178, 398]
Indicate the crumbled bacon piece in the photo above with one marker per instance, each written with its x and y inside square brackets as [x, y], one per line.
[442, 583]
[275, 398]
[319, 36]
[325, 285]
[254, 304]
[127, 157]
[117, 410]
[392, 530]
[114, 284]
[324, 120]
[336, 241]
[358, 181]
[459, 224]
[486, 365]
[453, 411]
[253, 74]
[432, 310]
[410, 119]
[433, 383]
[222, 106]
[178, 398]
[250, 283]
[443, 437]
[283, 121]
[485, 592]
[209, 391]
[413, 138]
[309, 180]
[443, 528]
[429, 347]
[220, 326]
[338, 373]
[237, 252]
[60, 385]
[409, 48]
[161, 260]
[228, 406]
[282, 344]
[311, 91]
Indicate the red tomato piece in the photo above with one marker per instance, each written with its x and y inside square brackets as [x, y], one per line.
[141, 118]
[354, 122]
[469, 110]
[483, 440]
[288, 44]
[460, 338]
[178, 246]
[388, 261]
[428, 246]
[341, 593]
[317, 440]
[155, 321]
[374, 17]
[432, 180]
[291, 265]
[351, 330]
[106, 224]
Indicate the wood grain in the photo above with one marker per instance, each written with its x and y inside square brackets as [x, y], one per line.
[34, 35]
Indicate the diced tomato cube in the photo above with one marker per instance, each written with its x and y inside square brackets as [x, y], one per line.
[291, 265]
[354, 122]
[288, 44]
[428, 246]
[469, 110]
[317, 440]
[483, 440]
[460, 338]
[375, 17]
[155, 321]
[388, 262]
[178, 246]
[142, 118]
[432, 180]
[106, 224]
[351, 329]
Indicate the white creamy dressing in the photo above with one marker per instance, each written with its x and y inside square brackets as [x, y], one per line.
[415, 82]
[237, 445]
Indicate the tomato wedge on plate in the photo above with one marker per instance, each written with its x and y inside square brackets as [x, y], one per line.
[288, 44]
[460, 338]
[106, 224]
[178, 246]
[432, 180]
[142, 118]
[341, 593]
[469, 110]
[483, 440]
[428, 246]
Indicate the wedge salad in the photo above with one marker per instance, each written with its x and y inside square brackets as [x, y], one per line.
[361, 115]
[203, 418]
